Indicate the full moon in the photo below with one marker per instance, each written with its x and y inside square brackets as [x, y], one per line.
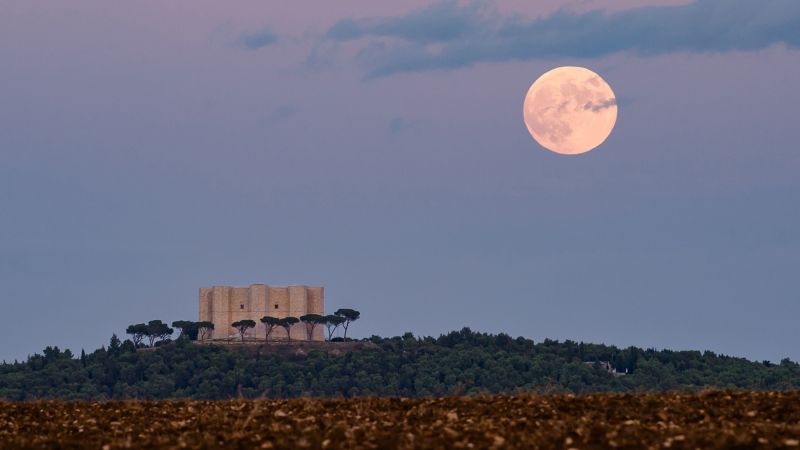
[570, 110]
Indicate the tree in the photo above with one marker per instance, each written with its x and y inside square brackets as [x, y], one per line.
[243, 326]
[187, 328]
[137, 332]
[114, 345]
[157, 329]
[349, 316]
[311, 321]
[269, 324]
[181, 325]
[465, 362]
[287, 323]
[127, 346]
[332, 322]
[204, 329]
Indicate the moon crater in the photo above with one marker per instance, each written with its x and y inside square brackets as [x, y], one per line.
[570, 110]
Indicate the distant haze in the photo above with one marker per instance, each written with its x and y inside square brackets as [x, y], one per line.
[150, 148]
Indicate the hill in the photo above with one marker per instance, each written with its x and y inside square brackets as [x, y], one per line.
[461, 362]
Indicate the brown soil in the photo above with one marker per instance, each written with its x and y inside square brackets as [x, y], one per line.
[677, 421]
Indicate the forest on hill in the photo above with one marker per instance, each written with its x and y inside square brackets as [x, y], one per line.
[461, 362]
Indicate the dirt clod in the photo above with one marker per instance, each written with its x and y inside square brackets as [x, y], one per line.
[709, 420]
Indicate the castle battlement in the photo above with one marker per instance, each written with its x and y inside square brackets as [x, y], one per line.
[224, 305]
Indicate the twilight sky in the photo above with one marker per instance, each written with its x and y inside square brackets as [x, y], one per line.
[150, 148]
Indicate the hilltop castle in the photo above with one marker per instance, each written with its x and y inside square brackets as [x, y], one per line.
[223, 305]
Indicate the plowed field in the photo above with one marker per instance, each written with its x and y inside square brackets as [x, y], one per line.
[678, 421]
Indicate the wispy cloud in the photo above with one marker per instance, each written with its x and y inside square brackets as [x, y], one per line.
[276, 116]
[452, 35]
[282, 112]
[258, 39]
[439, 22]
[599, 106]
[397, 125]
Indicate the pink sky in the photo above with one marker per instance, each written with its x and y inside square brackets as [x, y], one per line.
[144, 151]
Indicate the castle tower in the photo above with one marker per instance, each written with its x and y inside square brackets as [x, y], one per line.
[224, 305]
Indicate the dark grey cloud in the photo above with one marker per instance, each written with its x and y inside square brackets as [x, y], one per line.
[259, 39]
[278, 115]
[444, 21]
[468, 34]
[397, 125]
[599, 106]
[283, 112]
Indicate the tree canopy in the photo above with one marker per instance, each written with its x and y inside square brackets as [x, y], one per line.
[311, 321]
[137, 332]
[463, 362]
[157, 330]
[187, 328]
[349, 316]
[286, 323]
[243, 326]
[204, 329]
[332, 322]
[269, 324]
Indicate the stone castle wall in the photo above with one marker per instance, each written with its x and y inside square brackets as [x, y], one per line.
[224, 305]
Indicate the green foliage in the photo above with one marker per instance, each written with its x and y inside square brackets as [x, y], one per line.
[269, 324]
[114, 345]
[204, 330]
[243, 326]
[349, 316]
[462, 362]
[287, 323]
[332, 322]
[188, 329]
[157, 330]
[137, 332]
[311, 321]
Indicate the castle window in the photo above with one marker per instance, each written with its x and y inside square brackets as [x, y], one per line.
[276, 306]
[241, 306]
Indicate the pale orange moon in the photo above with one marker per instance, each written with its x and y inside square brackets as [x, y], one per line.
[570, 110]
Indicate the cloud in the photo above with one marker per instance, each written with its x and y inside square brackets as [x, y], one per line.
[439, 22]
[397, 125]
[450, 35]
[282, 112]
[258, 39]
[276, 116]
[595, 107]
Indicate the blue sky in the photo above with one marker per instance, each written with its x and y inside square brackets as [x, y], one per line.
[147, 150]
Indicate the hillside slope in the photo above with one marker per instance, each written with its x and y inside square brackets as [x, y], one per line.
[462, 362]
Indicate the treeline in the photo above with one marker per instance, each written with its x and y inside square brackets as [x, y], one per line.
[158, 333]
[342, 317]
[462, 362]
